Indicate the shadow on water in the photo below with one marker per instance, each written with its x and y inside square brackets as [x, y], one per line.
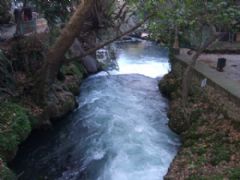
[118, 132]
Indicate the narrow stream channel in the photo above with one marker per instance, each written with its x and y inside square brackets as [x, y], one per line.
[118, 132]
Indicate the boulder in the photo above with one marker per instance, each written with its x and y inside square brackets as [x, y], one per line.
[60, 102]
[89, 62]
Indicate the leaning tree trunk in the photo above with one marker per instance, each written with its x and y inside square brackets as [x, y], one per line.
[186, 82]
[55, 55]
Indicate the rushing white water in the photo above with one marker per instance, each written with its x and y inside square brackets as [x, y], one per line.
[141, 58]
[118, 132]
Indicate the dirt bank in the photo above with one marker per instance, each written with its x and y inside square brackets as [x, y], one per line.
[210, 138]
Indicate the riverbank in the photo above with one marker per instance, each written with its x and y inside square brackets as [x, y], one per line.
[210, 135]
[118, 131]
[20, 115]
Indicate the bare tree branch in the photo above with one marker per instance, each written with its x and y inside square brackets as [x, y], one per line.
[120, 11]
[110, 41]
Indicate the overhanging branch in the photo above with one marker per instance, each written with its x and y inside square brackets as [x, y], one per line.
[110, 41]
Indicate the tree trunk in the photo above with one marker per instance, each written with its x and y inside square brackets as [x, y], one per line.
[186, 82]
[176, 39]
[55, 55]
[84, 54]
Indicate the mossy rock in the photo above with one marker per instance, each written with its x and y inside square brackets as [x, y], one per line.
[177, 120]
[169, 85]
[74, 87]
[72, 69]
[81, 68]
[72, 82]
[14, 128]
[73, 75]
[60, 102]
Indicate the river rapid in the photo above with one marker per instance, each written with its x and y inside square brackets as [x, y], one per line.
[119, 130]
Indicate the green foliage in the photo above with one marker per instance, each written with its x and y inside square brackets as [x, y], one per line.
[27, 54]
[190, 137]
[55, 11]
[231, 174]
[195, 177]
[14, 127]
[81, 68]
[234, 174]
[72, 69]
[212, 177]
[6, 173]
[4, 11]
[34, 122]
[195, 115]
[6, 78]
[199, 150]
[193, 19]
[169, 85]
[220, 153]
[76, 71]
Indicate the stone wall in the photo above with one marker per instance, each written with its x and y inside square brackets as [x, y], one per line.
[209, 126]
[217, 95]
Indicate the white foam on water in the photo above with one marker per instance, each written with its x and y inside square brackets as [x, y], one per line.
[130, 62]
[141, 152]
[119, 130]
[155, 67]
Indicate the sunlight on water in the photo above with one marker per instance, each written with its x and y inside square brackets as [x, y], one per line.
[141, 58]
[152, 68]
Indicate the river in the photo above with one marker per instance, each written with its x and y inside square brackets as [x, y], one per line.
[119, 130]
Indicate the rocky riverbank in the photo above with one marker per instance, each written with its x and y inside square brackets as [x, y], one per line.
[210, 138]
[20, 116]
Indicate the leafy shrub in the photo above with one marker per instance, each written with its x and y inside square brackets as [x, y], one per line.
[220, 153]
[14, 127]
[234, 174]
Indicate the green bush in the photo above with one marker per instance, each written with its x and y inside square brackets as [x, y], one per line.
[195, 115]
[72, 69]
[6, 174]
[14, 127]
[212, 177]
[169, 85]
[234, 174]
[220, 153]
